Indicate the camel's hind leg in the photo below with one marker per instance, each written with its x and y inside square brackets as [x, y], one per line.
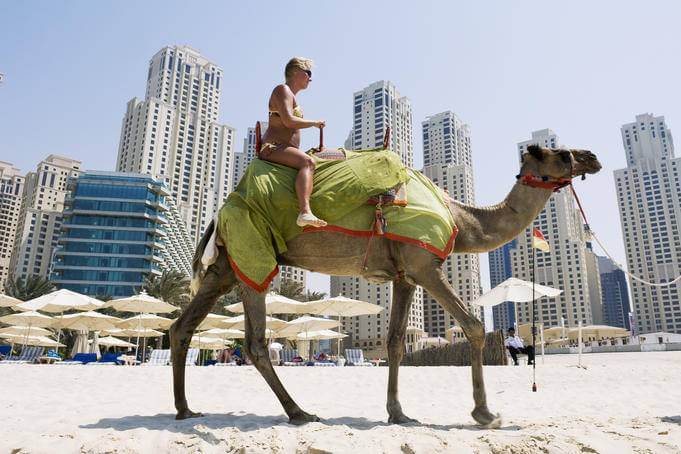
[397, 330]
[219, 279]
[434, 282]
[256, 349]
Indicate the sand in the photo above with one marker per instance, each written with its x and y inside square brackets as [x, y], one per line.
[622, 402]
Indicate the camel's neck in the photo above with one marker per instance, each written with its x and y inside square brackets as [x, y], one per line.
[487, 228]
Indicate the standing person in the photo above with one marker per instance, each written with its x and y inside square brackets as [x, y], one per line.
[281, 142]
[515, 345]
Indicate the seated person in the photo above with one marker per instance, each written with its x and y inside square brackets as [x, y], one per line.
[515, 345]
[322, 357]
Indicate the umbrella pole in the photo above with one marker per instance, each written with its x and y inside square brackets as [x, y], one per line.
[338, 341]
[137, 344]
[59, 332]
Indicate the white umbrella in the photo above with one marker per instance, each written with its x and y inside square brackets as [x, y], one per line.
[274, 304]
[111, 341]
[307, 323]
[239, 322]
[341, 306]
[517, 290]
[223, 333]
[8, 301]
[61, 301]
[30, 319]
[146, 321]
[135, 332]
[80, 344]
[212, 321]
[319, 335]
[41, 341]
[141, 303]
[87, 321]
[26, 331]
[276, 346]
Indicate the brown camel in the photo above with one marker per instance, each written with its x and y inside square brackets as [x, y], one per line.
[480, 230]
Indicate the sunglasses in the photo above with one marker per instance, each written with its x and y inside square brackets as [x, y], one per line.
[308, 72]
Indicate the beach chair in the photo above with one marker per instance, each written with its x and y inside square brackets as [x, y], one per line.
[355, 357]
[287, 356]
[79, 358]
[107, 359]
[159, 357]
[5, 351]
[28, 355]
[192, 357]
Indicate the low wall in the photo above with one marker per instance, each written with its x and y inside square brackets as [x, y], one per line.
[459, 354]
[617, 348]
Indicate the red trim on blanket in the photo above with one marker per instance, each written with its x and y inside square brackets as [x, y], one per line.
[257, 287]
[442, 253]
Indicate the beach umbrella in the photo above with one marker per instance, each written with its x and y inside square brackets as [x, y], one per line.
[111, 341]
[516, 290]
[29, 319]
[276, 346]
[319, 335]
[86, 321]
[223, 333]
[141, 303]
[137, 332]
[152, 321]
[341, 306]
[212, 321]
[274, 304]
[24, 331]
[598, 332]
[8, 301]
[306, 323]
[61, 301]
[40, 341]
[80, 344]
[239, 322]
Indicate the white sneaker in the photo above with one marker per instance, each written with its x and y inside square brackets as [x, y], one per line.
[305, 219]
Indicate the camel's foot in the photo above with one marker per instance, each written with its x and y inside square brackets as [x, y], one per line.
[186, 414]
[301, 417]
[486, 419]
[401, 418]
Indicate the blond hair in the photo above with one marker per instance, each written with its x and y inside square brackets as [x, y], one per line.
[301, 63]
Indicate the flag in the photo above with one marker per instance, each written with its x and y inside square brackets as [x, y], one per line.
[539, 241]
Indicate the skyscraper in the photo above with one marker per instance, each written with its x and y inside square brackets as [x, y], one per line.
[448, 161]
[594, 285]
[375, 107]
[500, 269]
[615, 295]
[11, 189]
[173, 134]
[564, 267]
[40, 216]
[649, 198]
[117, 232]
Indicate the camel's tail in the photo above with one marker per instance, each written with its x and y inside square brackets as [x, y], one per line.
[205, 255]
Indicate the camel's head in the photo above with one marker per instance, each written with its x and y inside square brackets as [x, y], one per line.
[558, 163]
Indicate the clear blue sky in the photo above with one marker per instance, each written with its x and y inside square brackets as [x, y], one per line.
[506, 68]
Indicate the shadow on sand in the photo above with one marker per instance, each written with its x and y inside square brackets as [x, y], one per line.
[672, 419]
[247, 422]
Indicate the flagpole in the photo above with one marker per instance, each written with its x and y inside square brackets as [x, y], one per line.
[534, 329]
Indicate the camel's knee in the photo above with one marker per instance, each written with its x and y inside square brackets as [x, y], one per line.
[256, 349]
[476, 333]
[396, 346]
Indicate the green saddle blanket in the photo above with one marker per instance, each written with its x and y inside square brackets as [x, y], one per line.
[259, 217]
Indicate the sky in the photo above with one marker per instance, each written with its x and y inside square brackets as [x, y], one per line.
[506, 68]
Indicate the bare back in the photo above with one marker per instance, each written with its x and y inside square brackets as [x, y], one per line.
[281, 100]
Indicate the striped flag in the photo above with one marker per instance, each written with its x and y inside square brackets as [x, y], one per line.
[538, 240]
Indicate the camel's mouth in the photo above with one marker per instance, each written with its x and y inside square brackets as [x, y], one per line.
[585, 162]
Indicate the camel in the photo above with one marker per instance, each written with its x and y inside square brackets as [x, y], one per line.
[406, 266]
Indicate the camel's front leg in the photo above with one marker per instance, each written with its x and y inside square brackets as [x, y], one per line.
[219, 279]
[434, 282]
[256, 349]
[399, 316]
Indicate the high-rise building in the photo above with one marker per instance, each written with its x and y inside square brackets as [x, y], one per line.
[447, 159]
[377, 106]
[11, 189]
[649, 198]
[594, 285]
[500, 269]
[173, 134]
[615, 295]
[564, 267]
[117, 231]
[40, 216]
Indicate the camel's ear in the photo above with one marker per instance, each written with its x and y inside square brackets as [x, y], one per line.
[536, 152]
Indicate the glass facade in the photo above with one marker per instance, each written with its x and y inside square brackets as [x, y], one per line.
[113, 233]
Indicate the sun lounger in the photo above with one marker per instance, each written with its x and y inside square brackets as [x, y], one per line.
[324, 364]
[107, 359]
[29, 355]
[5, 350]
[355, 357]
[287, 356]
[80, 358]
[159, 357]
[231, 363]
[192, 357]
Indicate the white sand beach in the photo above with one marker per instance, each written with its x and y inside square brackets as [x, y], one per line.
[622, 402]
